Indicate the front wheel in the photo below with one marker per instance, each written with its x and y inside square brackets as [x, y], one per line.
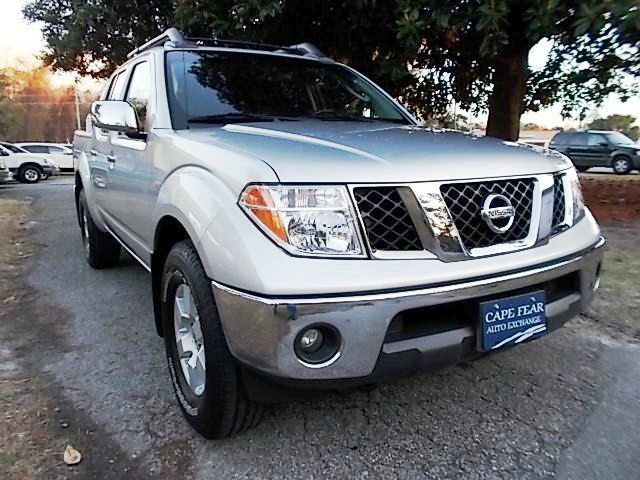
[622, 165]
[204, 374]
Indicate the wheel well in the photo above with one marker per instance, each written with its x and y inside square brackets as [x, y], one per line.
[30, 164]
[76, 192]
[624, 155]
[169, 231]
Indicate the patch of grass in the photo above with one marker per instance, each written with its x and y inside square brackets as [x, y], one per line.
[12, 234]
[616, 305]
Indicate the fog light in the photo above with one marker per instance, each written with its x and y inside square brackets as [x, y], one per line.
[311, 340]
[318, 345]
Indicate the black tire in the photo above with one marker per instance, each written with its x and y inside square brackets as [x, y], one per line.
[223, 408]
[582, 169]
[29, 174]
[621, 164]
[100, 248]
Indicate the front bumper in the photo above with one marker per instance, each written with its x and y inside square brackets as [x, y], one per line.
[261, 330]
[5, 176]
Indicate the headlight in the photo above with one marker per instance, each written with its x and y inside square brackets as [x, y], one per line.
[575, 201]
[305, 220]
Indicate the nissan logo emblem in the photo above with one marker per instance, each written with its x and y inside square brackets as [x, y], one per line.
[498, 213]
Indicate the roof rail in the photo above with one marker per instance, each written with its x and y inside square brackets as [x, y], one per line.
[176, 39]
[309, 49]
[172, 35]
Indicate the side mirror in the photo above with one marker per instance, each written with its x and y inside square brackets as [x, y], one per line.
[114, 115]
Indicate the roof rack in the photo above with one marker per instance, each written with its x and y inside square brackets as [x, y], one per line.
[174, 38]
[172, 35]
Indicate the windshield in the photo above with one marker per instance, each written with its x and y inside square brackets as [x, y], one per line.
[225, 87]
[618, 138]
[13, 148]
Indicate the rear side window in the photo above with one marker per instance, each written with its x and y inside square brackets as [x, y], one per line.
[561, 138]
[36, 149]
[53, 149]
[139, 91]
[579, 139]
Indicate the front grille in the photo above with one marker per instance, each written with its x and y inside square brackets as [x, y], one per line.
[464, 201]
[558, 202]
[386, 219]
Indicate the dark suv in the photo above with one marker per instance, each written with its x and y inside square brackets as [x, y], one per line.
[598, 148]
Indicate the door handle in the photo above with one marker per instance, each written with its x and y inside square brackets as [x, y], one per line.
[93, 153]
[111, 159]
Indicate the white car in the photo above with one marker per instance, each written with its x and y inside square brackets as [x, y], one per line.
[58, 153]
[5, 173]
[26, 167]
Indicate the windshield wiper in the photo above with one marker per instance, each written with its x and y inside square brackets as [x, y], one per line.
[233, 117]
[333, 116]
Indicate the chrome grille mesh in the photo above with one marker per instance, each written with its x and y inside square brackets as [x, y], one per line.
[464, 201]
[558, 202]
[386, 219]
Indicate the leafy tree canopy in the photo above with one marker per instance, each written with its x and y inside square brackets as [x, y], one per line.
[427, 52]
[621, 123]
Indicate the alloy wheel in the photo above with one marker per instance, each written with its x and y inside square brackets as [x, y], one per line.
[31, 175]
[621, 165]
[189, 339]
[85, 231]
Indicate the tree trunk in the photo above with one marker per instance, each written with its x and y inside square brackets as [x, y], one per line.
[507, 98]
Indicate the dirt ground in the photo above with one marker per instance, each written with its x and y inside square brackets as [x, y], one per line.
[613, 199]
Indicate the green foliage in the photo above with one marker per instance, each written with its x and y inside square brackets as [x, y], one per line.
[621, 123]
[425, 51]
[11, 119]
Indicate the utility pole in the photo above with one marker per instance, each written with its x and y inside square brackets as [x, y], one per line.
[77, 99]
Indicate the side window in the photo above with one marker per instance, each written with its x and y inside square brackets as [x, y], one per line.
[139, 91]
[116, 90]
[560, 138]
[579, 139]
[3, 152]
[36, 149]
[596, 140]
[53, 149]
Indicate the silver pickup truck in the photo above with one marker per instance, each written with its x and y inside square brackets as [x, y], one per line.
[304, 232]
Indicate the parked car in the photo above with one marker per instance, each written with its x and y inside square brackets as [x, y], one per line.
[598, 148]
[26, 167]
[303, 231]
[61, 154]
[5, 173]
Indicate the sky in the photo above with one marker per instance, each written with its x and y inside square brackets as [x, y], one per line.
[21, 42]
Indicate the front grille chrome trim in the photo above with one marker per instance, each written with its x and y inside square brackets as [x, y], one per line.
[442, 239]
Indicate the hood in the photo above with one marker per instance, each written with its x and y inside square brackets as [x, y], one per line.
[358, 152]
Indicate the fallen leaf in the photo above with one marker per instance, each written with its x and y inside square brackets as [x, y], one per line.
[72, 456]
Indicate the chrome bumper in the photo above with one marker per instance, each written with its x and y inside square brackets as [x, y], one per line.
[260, 330]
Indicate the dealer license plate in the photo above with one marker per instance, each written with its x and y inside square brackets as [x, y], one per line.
[509, 321]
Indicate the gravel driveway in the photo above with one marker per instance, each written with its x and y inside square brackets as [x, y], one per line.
[567, 405]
